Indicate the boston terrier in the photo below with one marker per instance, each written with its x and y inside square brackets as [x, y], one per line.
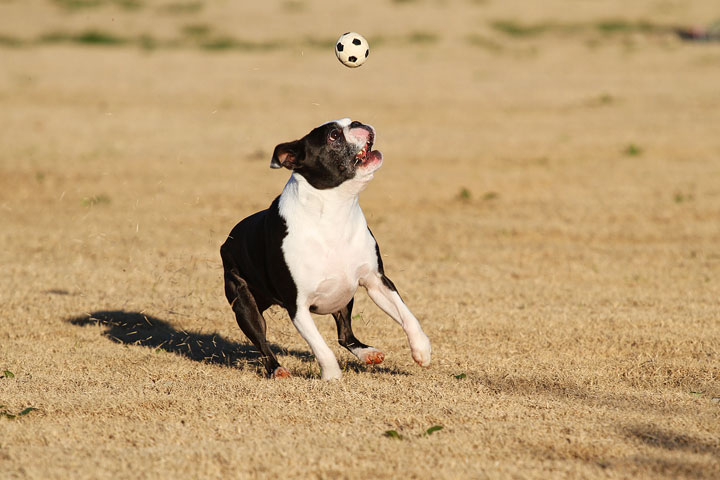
[312, 248]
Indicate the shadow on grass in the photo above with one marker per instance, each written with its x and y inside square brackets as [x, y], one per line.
[360, 368]
[134, 328]
[657, 467]
[656, 437]
[544, 386]
[311, 370]
[668, 457]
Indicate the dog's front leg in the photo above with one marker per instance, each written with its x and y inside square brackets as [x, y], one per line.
[383, 292]
[304, 323]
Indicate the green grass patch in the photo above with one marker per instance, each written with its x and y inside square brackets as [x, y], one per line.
[96, 37]
[681, 197]
[423, 38]
[395, 435]
[8, 41]
[601, 100]
[433, 429]
[72, 5]
[195, 36]
[633, 150]
[231, 43]
[605, 99]
[202, 36]
[147, 42]
[480, 41]
[7, 374]
[293, 6]
[88, 37]
[514, 28]
[625, 26]
[9, 415]
[196, 30]
[101, 199]
[517, 29]
[78, 4]
[129, 4]
[219, 43]
[181, 8]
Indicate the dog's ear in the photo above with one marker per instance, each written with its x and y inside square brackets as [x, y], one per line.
[288, 155]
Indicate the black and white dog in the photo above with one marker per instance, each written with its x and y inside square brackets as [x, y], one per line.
[312, 248]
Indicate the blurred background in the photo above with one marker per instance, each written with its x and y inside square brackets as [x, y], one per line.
[548, 207]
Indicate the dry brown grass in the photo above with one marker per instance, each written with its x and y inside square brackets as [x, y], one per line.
[574, 280]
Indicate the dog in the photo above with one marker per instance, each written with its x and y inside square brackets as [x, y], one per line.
[312, 248]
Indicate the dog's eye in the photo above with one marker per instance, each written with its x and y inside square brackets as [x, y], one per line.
[334, 135]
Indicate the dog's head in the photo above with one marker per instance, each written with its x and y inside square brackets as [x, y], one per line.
[331, 154]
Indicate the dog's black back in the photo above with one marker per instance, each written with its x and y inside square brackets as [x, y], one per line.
[253, 250]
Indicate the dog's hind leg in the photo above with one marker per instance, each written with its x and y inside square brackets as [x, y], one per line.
[347, 339]
[250, 320]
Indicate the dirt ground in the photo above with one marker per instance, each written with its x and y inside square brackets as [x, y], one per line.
[549, 208]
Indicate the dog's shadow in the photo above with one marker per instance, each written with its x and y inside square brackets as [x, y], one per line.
[135, 328]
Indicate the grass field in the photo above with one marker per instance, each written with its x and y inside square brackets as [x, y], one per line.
[549, 208]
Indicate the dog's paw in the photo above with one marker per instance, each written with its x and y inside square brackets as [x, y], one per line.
[421, 352]
[331, 374]
[375, 358]
[369, 355]
[281, 372]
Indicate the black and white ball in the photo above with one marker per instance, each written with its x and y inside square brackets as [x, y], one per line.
[352, 49]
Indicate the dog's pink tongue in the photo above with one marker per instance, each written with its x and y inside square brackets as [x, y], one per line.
[373, 156]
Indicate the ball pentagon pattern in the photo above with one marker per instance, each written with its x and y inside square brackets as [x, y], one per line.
[352, 49]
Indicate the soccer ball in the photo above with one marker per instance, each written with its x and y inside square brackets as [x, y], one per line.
[352, 49]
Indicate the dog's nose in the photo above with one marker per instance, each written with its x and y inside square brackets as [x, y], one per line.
[355, 124]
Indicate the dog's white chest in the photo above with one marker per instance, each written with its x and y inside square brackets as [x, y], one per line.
[329, 288]
[328, 249]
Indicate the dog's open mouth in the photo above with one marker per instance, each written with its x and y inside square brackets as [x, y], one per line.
[367, 155]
